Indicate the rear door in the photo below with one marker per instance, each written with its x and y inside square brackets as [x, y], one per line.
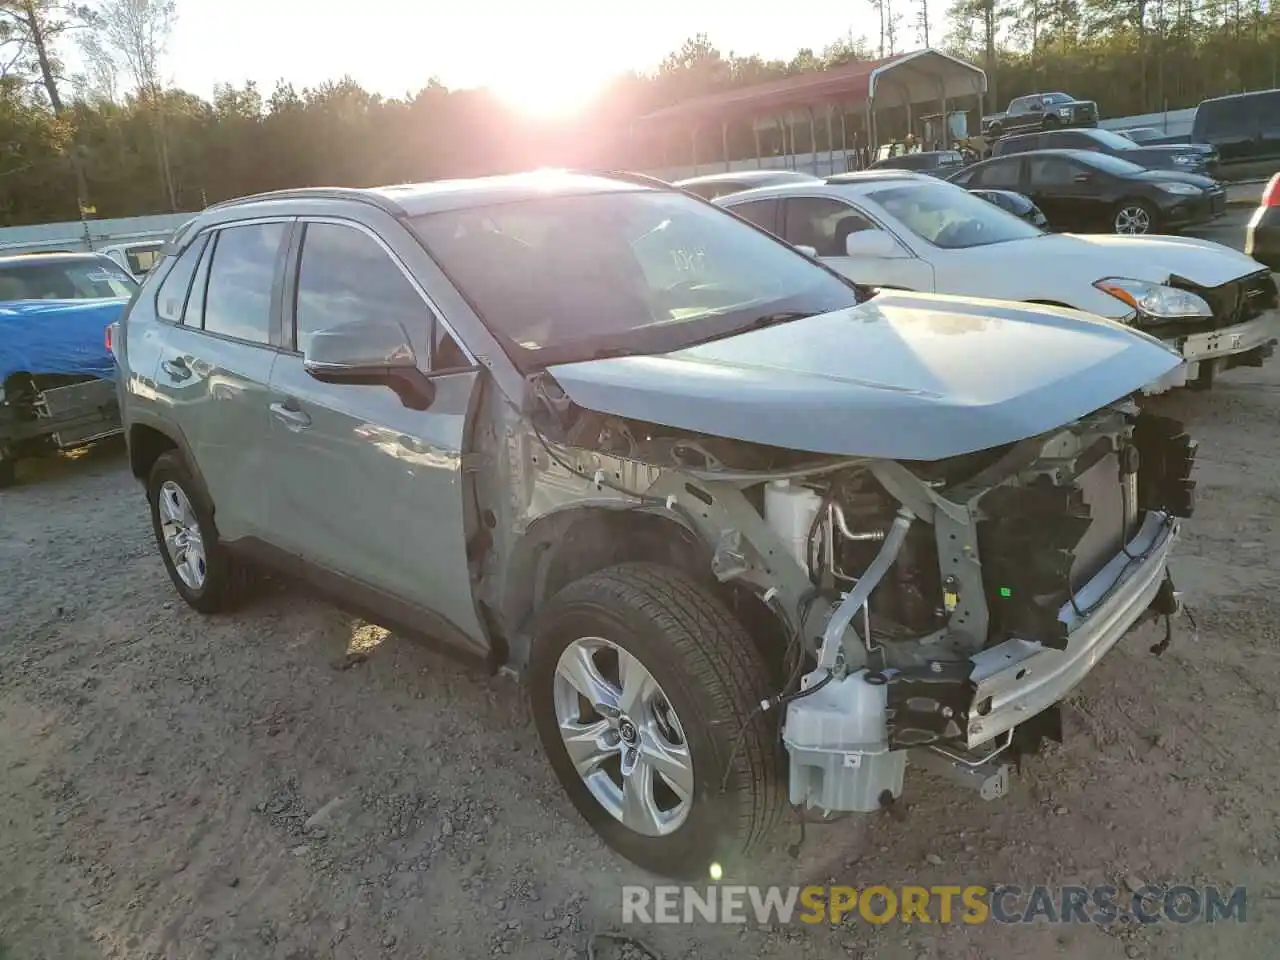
[824, 223]
[215, 364]
[361, 485]
[763, 213]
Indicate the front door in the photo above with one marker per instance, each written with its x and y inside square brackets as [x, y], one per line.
[1069, 203]
[824, 224]
[362, 485]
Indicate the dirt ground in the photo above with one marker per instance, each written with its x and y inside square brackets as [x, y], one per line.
[173, 786]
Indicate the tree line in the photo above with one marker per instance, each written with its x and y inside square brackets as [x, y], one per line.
[115, 138]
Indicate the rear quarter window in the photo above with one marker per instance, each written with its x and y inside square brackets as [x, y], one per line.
[171, 297]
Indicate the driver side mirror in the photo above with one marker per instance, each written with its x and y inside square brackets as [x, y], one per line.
[372, 353]
[871, 243]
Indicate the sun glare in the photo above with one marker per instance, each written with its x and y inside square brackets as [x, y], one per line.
[548, 93]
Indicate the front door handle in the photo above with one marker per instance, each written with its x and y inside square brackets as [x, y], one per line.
[288, 413]
[176, 368]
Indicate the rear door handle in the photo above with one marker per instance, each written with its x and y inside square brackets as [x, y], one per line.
[288, 413]
[176, 368]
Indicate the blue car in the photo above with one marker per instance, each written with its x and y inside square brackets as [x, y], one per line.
[57, 389]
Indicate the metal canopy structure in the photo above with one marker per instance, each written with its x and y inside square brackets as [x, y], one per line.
[902, 81]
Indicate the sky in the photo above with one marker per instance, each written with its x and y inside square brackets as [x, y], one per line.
[546, 55]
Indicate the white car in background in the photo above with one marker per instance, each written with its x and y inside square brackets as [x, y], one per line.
[1216, 306]
[137, 257]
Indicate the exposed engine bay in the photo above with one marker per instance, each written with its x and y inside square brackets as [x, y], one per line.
[936, 608]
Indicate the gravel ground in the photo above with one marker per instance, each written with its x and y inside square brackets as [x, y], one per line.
[240, 787]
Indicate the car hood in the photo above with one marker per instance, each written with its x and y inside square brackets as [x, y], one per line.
[1158, 151]
[904, 376]
[1179, 176]
[1155, 259]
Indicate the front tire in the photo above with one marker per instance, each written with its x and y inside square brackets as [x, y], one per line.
[203, 571]
[1134, 218]
[645, 691]
[8, 470]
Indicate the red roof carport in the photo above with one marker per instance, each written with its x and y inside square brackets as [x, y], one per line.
[923, 76]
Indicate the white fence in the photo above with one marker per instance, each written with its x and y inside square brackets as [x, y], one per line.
[88, 234]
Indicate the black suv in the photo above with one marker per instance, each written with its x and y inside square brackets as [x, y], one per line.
[1186, 157]
[1244, 128]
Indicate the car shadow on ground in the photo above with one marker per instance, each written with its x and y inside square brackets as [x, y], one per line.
[70, 465]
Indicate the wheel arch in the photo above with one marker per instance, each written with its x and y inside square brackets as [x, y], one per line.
[565, 546]
[148, 442]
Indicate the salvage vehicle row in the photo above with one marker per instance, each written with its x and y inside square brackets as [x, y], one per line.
[701, 492]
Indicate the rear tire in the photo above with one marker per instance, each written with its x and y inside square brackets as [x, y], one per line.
[643, 620]
[203, 571]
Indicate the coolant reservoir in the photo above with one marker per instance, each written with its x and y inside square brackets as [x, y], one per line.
[838, 744]
[789, 510]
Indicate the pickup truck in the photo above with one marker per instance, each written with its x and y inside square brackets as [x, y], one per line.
[1040, 111]
[57, 389]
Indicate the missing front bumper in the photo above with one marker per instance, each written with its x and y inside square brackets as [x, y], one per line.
[1017, 679]
[1219, 349]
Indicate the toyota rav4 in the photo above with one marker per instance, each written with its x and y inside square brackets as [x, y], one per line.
[749, 534]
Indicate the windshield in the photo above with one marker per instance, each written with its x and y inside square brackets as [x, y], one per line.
[572, 277]
[1109, 164]
[950, 217]
[1109, 138]
[1139, 134]
[65, 280]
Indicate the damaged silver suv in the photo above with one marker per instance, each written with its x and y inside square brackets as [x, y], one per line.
[750, 534]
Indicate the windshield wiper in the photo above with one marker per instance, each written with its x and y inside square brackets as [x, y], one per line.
[782, 316]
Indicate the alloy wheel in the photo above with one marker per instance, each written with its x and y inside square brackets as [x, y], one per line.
[182, 536]
[1133, 220]
[623, 737]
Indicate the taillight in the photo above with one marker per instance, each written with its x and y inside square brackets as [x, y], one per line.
[1271, 195]
[109, 337]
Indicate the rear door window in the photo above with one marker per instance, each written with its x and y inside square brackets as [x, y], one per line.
[242, 275]
[1049, 172]
[763, 213]
[822, 223]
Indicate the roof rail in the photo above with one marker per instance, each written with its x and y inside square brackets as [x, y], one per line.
[360, 195]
